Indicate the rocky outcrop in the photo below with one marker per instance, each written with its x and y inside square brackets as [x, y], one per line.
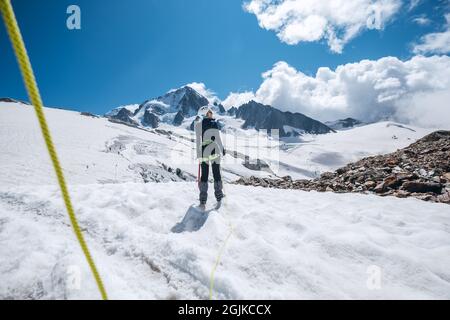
[190, 101]
[178, 120]
[124, 115]
[232, 111]
[176, 104]
[343, 124]
[259, 116]
[150, 119]
[7, 99]
[421, 170]
[220, 107]
[88, 114]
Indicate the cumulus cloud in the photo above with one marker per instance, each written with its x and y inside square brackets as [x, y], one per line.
[426, 109]
[336, 21]
[369, 90]
[200, 87]
[236, 99]
[437, 42]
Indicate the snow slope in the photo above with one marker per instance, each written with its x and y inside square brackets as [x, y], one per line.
[286, 244]
[92, 150]
[150, 242]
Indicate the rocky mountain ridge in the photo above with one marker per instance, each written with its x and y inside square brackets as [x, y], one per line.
[176, 106]
[260, 116]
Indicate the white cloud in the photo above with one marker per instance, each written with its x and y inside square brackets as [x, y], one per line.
[438, 42]
[200, 87]
[367, 90]
[426, 109]
[237, 99]
[413, 4]
[336, 21]
[422, 20]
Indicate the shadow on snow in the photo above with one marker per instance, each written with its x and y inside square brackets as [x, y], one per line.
[193, 220]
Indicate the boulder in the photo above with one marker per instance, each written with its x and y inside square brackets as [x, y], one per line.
[446, 176]
[370, 184]
[392, 182]
[380, 188]
[444, 198]
[422, 187]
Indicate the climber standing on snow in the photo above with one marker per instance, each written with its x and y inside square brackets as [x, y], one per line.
[209, 152]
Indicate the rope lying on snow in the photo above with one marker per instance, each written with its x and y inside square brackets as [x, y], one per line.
[33, 93]
[222, 248]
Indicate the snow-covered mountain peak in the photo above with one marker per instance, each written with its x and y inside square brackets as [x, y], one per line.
[178, 94]
[172, 108]
[176, 99]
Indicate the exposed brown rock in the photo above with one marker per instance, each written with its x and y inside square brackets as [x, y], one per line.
[421, 170]
[446, 176]
[370, 184]
[422, 187]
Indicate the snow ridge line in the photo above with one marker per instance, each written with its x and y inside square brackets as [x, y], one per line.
[33, 92]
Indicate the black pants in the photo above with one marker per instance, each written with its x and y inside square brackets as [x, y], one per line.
[203, 184]
[205, 172]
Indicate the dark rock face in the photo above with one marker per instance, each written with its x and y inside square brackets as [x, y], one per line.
[152, 107]
[256, 166]
[124, 115]
[232, 111]
[343, 124]
[421, 170]
[88, 114]
[261, 116]
[178, 120]
[190, 102]
[7, 99]
[183, 102]
[150, 119]
[220, 107]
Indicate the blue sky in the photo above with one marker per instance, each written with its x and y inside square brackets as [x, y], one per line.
[129, 51]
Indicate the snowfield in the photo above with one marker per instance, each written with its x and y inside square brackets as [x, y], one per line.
[315, 154]
[94, 150]
[150, 242]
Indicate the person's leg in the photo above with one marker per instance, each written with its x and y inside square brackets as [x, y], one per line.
[203, 184]
[218, 186]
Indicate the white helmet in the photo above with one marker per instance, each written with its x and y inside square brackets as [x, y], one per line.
[203, 111]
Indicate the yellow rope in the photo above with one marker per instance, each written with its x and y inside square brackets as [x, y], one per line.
[222, 249]
[35, 98]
